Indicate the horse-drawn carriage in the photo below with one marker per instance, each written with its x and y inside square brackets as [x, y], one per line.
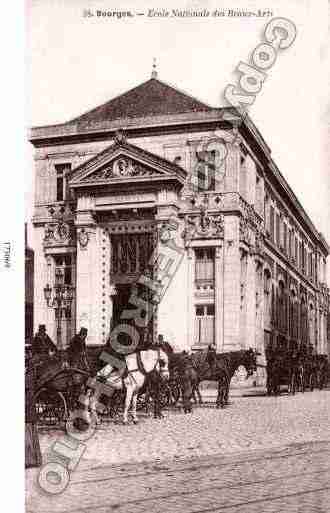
[295, 369]
[57, 389]
[59, 385]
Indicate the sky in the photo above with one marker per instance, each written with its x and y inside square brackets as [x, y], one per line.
[74, 63]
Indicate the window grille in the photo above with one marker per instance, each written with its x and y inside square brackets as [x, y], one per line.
[204, 325]
[61, 172]
[204, 266]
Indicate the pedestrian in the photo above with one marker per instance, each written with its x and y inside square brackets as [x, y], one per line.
[212, 357]
[77, 351]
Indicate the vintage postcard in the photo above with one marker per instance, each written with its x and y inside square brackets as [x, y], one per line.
[177, 300]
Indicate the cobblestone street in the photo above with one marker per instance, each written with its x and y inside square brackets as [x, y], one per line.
[260, 454]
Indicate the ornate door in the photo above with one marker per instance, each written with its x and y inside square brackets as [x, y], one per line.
[131, 258]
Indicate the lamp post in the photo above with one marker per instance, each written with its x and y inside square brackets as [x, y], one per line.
[60, 298]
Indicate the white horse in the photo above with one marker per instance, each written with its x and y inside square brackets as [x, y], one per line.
[139, 365]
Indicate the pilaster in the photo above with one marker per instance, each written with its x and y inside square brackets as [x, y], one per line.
[88, 271]
[251, 299]
[231, 279]
[190, 296]
[219, 312]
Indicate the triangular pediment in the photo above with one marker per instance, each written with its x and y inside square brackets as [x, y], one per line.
[123, 161]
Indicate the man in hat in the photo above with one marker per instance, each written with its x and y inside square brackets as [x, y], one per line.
[42, 345]
[77, 351]
[212, 357]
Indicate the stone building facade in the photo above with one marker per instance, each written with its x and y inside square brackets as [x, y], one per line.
[29, 289]
[158, 199]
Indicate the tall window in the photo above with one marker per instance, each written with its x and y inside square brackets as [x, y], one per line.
[290, 243]
[206, 170]
[63, 269]
[61, 172]
[285, 229]
[311, 322]
[296, 251]
[271, 222]
[303, 257]
[267, 299]
[204, 265]
[278, 230]
[315, 269]
[303, 321]
[293, 315]
[242, 177]
[204, 325]
[281, 307]
[258, 196]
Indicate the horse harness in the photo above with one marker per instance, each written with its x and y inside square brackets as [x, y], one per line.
[140, 366]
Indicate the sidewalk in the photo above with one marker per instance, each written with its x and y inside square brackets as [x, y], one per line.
[210, 391]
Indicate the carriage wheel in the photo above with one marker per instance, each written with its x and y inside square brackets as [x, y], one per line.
[51, 407]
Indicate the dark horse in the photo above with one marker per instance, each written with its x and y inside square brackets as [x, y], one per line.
[222, 369]
[182, 370]
[285, 366]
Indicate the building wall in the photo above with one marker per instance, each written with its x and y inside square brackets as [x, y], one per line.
[239, 281]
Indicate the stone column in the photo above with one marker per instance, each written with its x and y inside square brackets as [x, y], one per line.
[42, 275]
[219, 332]
[169, 279]
[231, 283]
[190, 297]
[87, 270]
[251, 291]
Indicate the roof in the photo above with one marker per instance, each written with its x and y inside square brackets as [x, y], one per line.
[151, 98]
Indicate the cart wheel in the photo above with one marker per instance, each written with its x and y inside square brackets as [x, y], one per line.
[51, 407]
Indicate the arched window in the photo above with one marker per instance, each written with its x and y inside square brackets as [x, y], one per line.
[303, 321]
[281, 308]
[273, 309]
[267, 299]
[311, 322]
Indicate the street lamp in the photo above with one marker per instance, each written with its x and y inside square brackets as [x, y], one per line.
[60, 298]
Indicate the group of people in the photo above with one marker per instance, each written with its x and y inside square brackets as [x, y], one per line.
[76, 356]
[298, 365]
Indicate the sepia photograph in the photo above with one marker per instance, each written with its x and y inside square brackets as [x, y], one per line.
[176, 242]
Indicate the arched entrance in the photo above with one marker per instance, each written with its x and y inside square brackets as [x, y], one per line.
[133, 304]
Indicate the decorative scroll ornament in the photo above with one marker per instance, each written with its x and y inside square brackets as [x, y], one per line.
[121, 167]
[244, 231]
[62, 212]
[166, 230]
[203, 225]
[120, 137]
[259, 243]
[83, 238]
[58, 232]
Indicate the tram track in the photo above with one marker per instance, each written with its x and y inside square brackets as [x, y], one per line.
[193, 467]
[218, 489]
[251, 487]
